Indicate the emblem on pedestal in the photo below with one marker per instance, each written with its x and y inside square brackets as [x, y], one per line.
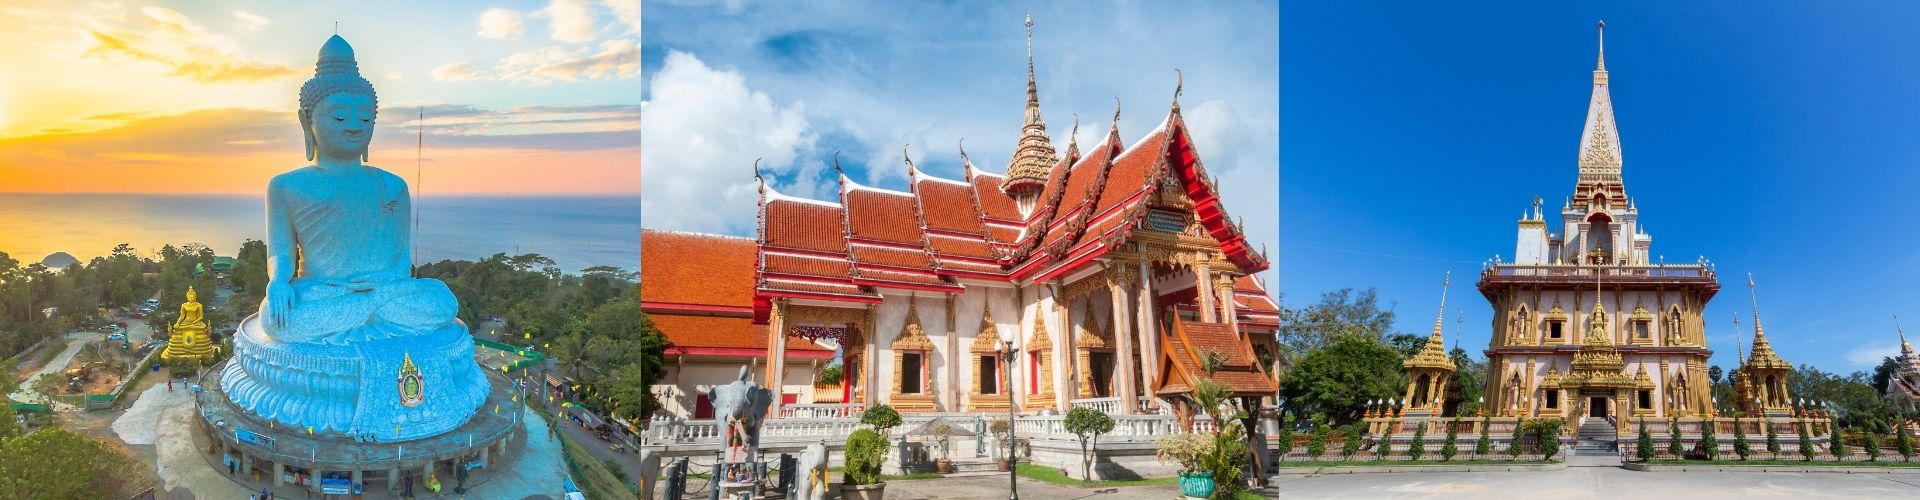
[410, 386]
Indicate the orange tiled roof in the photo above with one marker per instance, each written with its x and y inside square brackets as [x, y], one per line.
[1189, 340]
[721, 265]
[994, 203]
[948, 207]
[805, 226]
[883, 216]
[723, 332]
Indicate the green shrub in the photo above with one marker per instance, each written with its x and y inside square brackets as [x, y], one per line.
[1448, 450]
[1740, 446]
[1872, 446]
[882, 418]
[1838, 445]
[1286, 436]
[1806, 443]
[1773, 439]
[1674, 445]
[1317, 439]
[1384, 446]
[1519, 429]
[1904, 442]
[1228, 461]
[1419, 446]
[1484, 446]
[1709, 442]
[1354, 433]
[1548, 430]
[1643, 448]
[1088, 425]
[865, 451]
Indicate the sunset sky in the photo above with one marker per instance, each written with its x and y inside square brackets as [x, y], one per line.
[532, 97]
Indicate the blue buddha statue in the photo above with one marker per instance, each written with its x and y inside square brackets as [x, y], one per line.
[347, 340]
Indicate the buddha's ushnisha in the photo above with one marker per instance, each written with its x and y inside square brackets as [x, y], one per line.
[338, 231]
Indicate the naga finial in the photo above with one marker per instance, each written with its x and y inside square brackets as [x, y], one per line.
[836, 165]
[1179, 82]
[905, 155]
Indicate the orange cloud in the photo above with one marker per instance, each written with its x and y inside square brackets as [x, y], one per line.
[234, 150]
[174, 41]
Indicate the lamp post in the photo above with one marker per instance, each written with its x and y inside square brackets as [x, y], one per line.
[1013, 462]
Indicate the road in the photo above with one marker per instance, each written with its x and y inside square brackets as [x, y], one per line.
[1600, 482]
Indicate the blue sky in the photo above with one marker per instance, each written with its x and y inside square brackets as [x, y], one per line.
[1771, 137]
[728, 82]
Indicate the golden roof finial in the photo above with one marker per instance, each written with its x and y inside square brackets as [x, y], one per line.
[1073, 138]
[836, 166]
[1179, 82]
[1602, 64]
[1905, 349]
[1433, 354]
[757, 179]
[1033, 155]
[908, 157]
[1115, 128]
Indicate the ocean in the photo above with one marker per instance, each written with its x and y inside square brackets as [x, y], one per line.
[575, 231]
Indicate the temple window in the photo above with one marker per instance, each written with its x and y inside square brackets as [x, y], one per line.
[1553, 399]
[1555, 330]
[913, 372]
[989, 374]
[1100, 365]
[1646, 399]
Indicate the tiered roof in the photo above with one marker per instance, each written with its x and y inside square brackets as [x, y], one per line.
[945, 230]
[1190, 342]
[702, 295]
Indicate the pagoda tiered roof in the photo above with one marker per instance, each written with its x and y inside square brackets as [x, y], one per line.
[702, 295]
[1185, 350]
[943, 230]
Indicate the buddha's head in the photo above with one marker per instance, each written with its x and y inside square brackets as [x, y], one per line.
[337, 106]
[192, 297]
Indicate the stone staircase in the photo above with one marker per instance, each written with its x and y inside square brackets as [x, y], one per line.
[1597, 438]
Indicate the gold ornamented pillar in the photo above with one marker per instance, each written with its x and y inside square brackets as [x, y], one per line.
[1223, 290]
[777, 355]
[1149, 326]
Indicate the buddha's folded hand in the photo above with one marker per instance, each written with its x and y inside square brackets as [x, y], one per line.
[279, 303]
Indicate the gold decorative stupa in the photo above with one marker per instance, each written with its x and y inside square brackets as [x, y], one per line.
[189, 336]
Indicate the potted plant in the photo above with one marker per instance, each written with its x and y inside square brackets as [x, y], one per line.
[1189, 450]
[865, 451]
[998, 428]
[944, 433]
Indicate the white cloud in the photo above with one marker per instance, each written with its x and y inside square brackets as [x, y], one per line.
[704, 128]
[626, 12]
[173, 40]
[1870, 355]
[614, 59]
[501, 24]
[455, 72]
[1244, 157]
[569, 21]
[251, 21]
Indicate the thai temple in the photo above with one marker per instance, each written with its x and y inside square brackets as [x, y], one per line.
[1588, 323]
[189, 339]
[1903, 388]
[1102, 274]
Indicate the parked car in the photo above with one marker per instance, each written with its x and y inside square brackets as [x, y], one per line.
[117, 336]
[153, 302]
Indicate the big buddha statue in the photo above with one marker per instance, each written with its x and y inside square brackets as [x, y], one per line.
[347, 340]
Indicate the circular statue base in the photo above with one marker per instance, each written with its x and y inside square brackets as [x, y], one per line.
[246, 444]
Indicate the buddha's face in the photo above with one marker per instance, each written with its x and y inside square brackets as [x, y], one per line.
[343, 125]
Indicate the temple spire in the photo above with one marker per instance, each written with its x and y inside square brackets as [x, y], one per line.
[1905, 348]
[1762, 354]
[1434, 353]
[1600, 140]
[1033, 156]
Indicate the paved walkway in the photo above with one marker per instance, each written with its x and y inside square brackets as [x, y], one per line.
[1578, 481]
[75, 341]
[994, 487]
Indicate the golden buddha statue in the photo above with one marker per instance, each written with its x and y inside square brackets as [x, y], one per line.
[189, 336]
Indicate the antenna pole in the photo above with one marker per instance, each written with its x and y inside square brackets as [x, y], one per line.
[419, 145]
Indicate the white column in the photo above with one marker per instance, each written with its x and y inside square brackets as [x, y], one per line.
[1203, 288]
[777, 357]
[1149, 326]
[1123, 336]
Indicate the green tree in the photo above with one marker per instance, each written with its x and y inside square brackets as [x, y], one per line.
[1484, 446]
[1643, 448]
[882, 417]
[1740, 446]
[1519, 429]
[1709, 441]
[1339, 379]
[1449, 449]
[866, 450]
[9, 421]
[1317, 438]
[1419, 446]
[1806, 443]
[1837, 445]
[1773, 439]
[1285, 437]
[59, 464]
[1355, 432]
[1674, 445]
[1871, 445]
[1384, 446]
[1548, 429]
[1088, 425]
[1339, 312]
[1904, 443]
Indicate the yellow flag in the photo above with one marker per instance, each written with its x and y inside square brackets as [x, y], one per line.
[309, 430]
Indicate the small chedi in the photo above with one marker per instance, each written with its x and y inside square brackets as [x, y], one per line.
[189, 337]
[347, 340]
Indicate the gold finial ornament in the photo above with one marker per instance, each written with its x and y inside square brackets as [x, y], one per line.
[1033, 155]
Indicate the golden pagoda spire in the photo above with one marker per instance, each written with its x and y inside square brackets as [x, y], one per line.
[1905, 349]
[1600, 156]
[1434, 353]
[1034, 156]
[1762, 355]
